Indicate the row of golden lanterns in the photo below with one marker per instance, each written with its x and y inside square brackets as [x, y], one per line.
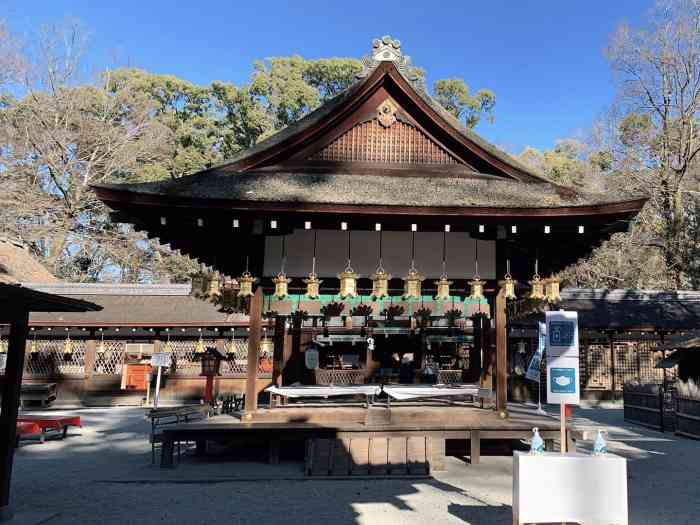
[547, 289]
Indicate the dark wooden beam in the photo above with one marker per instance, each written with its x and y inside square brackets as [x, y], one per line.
[14, 369]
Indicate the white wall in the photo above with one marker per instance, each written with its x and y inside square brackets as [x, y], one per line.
[331, 253]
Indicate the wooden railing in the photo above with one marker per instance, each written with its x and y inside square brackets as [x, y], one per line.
[340, 377]
[650, 405]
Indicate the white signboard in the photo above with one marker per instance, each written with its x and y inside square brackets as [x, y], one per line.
[311, 359]
[161, 359]
[3, 361]
[563, 377]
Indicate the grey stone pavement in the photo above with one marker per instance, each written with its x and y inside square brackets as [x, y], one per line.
[102, 474]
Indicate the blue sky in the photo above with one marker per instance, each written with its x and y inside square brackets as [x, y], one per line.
[543, 59]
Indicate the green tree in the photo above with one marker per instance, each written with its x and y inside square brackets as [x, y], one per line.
[454, 95]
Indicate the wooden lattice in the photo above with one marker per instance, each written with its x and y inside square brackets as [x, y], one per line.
[185, 360]
[111, 360]
[372, 142]
[49, 358]
[339, 377]
[450, 376]
[237, 353]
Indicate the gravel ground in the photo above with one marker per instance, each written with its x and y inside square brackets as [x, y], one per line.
[101, 474]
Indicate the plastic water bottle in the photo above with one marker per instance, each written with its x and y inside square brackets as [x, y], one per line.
[537, 445]
[600, 447]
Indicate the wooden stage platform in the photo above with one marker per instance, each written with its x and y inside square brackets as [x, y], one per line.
[351, 440]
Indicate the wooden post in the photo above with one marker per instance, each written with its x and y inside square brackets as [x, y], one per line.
[501, 353]
[90, 355]
[17, 341]
[278, 351]
[612, 365]
[562, 416]
[251, 387]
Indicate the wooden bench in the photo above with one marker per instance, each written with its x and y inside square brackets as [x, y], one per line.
[162, 417]
[49, 424]
[44, 393]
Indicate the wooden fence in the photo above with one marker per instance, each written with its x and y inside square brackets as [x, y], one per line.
[648, 405]
[687, 417]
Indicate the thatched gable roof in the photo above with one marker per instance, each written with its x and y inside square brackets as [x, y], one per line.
[18, 265]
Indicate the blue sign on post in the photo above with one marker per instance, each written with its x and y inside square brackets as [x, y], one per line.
[562, 380]
[561, 333]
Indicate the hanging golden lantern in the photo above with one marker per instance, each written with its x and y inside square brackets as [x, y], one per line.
[509, 286]
[101, 348]
[281, 285]
[313, 285]
[32, 348]
[168, 347]
[267, 346]
[412, 284]
[537, 285]
[199, 348]
[476, 288]
[443, 288]
[551, 289]
[68, 347]
[380, 283]
[246, 282]
[348, 282]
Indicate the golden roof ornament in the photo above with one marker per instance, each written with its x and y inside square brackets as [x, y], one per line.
[380, 282]
[551, 290]
[386, 113]
[537, 285]
[412, 283]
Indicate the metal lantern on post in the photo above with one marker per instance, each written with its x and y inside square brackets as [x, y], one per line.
[509, 283]
[443, 285]
[211, 363]
[380, 277]
[551, 290]
[348, 278]
[313, 284]
[537, 285]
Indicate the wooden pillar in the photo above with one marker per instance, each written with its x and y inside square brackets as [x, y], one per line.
[294, 363]
[90, 355]
[17, 341]
[612, 365]
[501, 353]
[251, 387]
[278, 351]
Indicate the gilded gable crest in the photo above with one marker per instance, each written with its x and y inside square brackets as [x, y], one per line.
[386, 113]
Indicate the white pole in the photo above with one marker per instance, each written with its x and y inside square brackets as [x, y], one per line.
[156, 399]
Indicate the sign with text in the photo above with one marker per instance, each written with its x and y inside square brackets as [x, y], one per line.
[163, 359]
[563, 377]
